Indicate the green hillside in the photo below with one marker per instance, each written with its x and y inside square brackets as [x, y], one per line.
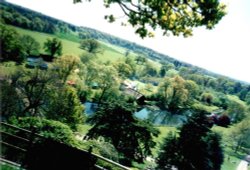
[71, 47]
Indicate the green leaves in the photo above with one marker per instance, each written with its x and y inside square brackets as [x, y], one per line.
[91, 46]
[53, 47]
[195, 147]
[171, 16]
[12, 48]
[131, 137]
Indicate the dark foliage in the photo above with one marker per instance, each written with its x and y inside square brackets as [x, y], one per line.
[116, 123]
[196, 148]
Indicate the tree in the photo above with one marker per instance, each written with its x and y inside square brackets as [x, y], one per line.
[149, 70]
[192, 88]
[53, 47]
[48, 128]
[86, 57]
[177, 17]
[31, 46]
[11, 47]
[124, 70]
[107, 81]
[84, 35]
[169, 153]
[33, 89]
[91, 46]
[132, 64]
[91, 74]
[195, 148]
[9, 107]
[163, 70]
[131, 137]
[247, 98]
[65, 65]
[207, 98]
[65, 106]
[240, 135]
[127, 53]
[140, 60]
[174, 94]
[236, 110]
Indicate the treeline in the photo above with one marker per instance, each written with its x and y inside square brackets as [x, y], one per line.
[28, 19]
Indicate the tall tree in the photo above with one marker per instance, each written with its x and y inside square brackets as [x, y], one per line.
[240, 135]
[177, 17]
[115, 121]
[195, 148]
[174, 94]
[91, 46]
[53, 47]
[65, 106]
[107, 82]
[124, 70]
[237, 110]
[31, 46]
[11, 47]
[65, 66]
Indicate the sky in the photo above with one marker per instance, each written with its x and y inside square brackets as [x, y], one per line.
[224, 50]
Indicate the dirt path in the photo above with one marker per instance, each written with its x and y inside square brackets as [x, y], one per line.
[242, 165]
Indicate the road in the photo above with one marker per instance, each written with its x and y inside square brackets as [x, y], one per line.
[243, 165]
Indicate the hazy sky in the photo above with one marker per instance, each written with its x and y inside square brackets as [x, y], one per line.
[225, 49]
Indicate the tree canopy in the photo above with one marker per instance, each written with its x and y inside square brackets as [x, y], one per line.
[91, 46]
[115, 121]
[177, 17]
[195, 147]
[11, 47]
[53, 47]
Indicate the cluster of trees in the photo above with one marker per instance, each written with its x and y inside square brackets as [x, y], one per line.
[56, 94]
[40, 93]
[91, 46]
[187, 71]
[15, 47]
[132, 138]
[47, 94]
[194, 147]
[28, 19]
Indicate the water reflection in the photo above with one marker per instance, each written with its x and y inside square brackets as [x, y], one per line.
[154, 115]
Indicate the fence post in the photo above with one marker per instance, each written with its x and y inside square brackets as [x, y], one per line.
[29, 147]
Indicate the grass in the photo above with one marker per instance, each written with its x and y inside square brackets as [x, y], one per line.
[231, 159]
[7, 166]
[68, 36]
[83, 129]
[230, 163]
[205, 107]
[164, 130]
[71, 45]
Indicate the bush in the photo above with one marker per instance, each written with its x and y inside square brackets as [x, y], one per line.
[48, 128]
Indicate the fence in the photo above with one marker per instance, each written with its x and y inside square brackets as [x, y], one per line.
[35, 152]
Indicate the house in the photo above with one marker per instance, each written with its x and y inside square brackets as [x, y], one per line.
[71, 82]
[129, 88]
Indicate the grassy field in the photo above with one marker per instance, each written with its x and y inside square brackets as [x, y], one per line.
[230, 163]
[71, 45]
[231, 159]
